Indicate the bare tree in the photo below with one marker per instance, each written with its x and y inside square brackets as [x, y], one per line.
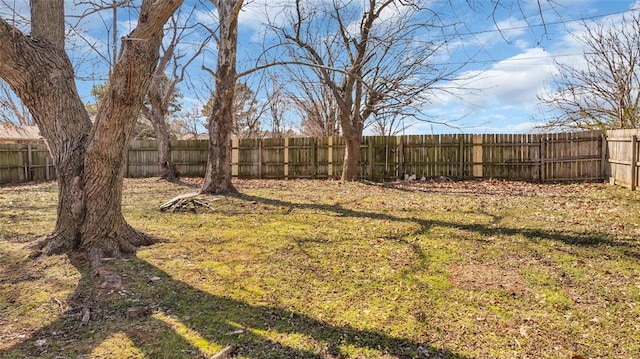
[89, 157]
[218, 173]
[278, 105]
[12, 110]
[247, 111]
[189, 125]
[314, 103]
[604, 91]
[375, 57]
[389, 125]
[161, 96]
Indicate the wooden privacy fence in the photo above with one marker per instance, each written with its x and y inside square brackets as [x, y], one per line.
[542, 158]
[583, 156]
[25, 162]
[622, 165]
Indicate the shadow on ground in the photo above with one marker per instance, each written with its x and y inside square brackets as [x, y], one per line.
[630, 248]
[159, 317]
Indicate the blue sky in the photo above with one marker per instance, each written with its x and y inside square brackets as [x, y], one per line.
[510, 65]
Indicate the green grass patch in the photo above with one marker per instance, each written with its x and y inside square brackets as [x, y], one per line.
[325, 269]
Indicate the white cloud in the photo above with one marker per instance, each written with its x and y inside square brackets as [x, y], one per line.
[515, 81]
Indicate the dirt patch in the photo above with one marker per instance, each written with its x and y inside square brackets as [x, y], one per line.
[483, 277]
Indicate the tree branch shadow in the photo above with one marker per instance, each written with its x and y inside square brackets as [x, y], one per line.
[168, 318]
[578, 239]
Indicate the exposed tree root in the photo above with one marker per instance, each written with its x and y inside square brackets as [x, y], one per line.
[138, 238]
[58, 242]
[124, 243]
[224, 188]
[169, 172]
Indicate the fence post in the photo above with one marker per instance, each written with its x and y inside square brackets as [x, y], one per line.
[126, 162]
[46, 168]
[477, 156]
[603, 156]
[330, 157]
[260, 158]
[286, 158]
[314, 158]
[634, 162]
[543, 153]
[461, 156]
[400, 154]
[29, 162]
[370, 158]
[235, 157]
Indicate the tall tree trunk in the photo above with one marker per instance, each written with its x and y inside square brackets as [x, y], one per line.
[168, 169]
[352, 127]
[156, 112]
[89, 159]
[104, 230]
[353, 140]
[218, 174]
[41, 74]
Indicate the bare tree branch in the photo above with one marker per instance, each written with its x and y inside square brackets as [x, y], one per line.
[603, 92]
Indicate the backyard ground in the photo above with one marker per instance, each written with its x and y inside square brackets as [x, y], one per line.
[325, 269]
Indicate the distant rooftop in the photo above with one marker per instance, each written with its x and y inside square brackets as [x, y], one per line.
[11, 133]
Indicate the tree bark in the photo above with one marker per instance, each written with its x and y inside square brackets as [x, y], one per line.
[351, 157]
[168, 169]
[156, 112]
[89, 159]
[40, 73]
[104, 231]
[352, 132]
[218, 173]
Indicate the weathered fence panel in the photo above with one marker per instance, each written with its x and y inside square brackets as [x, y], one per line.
[572, 156]
[511, 156]
[190, 157]
[303, 156]
[25, 162]
[582, 156]
[622, 152]
[432, 156]
[142, 159]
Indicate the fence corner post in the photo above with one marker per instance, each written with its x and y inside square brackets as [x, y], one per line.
[634, 162]
[603, 156]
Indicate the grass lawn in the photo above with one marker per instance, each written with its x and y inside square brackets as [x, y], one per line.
[324, 269]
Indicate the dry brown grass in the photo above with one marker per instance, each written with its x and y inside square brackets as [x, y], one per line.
[324, 269]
